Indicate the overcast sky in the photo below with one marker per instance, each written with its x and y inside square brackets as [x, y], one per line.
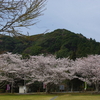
[79, 16]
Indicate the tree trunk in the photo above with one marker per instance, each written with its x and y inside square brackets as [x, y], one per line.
[85, 86]
[72, 87]
[46, 90]
[97, 87]
[12, 87]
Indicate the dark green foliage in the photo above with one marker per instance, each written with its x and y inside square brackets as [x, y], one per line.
[62, 53]
[33, 50]
[6, 43]
[73, 55]
[36, 87]
[61, 42]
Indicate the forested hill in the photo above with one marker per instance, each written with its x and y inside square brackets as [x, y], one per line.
[60, 42]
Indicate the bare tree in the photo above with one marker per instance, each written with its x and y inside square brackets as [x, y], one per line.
[15, 14]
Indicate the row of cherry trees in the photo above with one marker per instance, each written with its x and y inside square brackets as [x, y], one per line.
[37, 68]
[48, 69]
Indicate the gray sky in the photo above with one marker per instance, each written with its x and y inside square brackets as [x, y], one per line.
[79, 16]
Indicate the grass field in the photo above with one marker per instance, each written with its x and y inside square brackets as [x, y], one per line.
[26, 97]
[78, 97]
[49, 97]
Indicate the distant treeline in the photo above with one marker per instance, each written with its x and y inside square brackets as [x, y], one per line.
[61, 42]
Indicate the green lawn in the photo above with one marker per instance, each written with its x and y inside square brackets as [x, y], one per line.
[49, 97]
[26, 97]
[78, 97]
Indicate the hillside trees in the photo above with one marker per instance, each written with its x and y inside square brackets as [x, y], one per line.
[62, 44]
[15, 14]
[13, 44]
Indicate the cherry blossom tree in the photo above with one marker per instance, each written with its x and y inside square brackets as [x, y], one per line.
[42, 68]
[10, 67]
[88, 70]
[48, 69]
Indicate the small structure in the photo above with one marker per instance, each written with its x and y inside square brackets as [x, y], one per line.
[62, 87]
[23, 89]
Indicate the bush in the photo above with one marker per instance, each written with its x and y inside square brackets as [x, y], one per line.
[2, 90]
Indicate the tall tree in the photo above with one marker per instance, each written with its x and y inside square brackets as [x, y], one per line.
[19, 13]
[88, 70]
